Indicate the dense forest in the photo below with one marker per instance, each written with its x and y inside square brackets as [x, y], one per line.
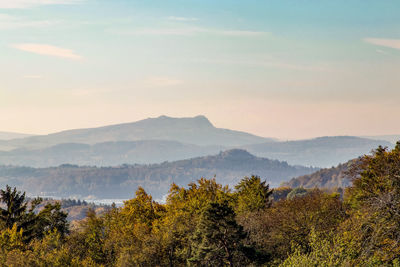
[121, 181]
[207, 224]
[325, 178]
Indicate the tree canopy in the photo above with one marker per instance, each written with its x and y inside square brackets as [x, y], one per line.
[208, 224]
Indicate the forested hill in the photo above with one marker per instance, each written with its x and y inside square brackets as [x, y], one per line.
[319, 152]
[325, 178]
[107, 154]
[322, 152]
[122, 181]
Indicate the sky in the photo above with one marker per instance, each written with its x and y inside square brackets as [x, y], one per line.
[288, 69]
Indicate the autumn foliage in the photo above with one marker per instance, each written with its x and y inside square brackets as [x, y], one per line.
[207, 224]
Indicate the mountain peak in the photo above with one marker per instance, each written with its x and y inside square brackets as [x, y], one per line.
[203, 120]
[199, 120]
[236, 154]
[196, 130]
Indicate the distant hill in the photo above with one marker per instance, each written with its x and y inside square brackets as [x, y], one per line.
[197, 130]
[9, 135]
[334, 177]
[156, 140]
[393, 138]
[320, 152]
[106, 154]
[121, 182]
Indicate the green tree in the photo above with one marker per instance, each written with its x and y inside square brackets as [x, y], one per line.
[281, 193]
[184, 208]
[94, 237]
[16, 212]
[218, 239]
[373, 229]
[297, 192]
[252, 194]
[15, 208]
[51, 218]
[289, 222]
[130, 231]
[323, 252]
[34, 224]
[11, 239]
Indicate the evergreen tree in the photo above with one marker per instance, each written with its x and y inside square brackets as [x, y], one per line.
[33, 224]
[15, 208]
[252, 194]
[218, 238]
[51, 218]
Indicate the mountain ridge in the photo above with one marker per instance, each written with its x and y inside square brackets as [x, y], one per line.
[193, 130]
[122, 181]
[324, 152]
[329, 178]
[13, 135]
[321, 152]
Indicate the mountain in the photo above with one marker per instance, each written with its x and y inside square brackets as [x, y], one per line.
[197, 130]
[10, 135]
[320, 152]
[156, 140]
[106, 154]
[122, 181]
[334, 177]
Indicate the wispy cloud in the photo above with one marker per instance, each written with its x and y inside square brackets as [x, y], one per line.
[48, 50]
[266, 63]
[391, 43]
[182, 18]
[379, 51]
[160, 81]
[13, 22]
[9, 4]
[189, 31]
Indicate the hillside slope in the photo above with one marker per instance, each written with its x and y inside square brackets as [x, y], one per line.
[322, 152]
[121, 182]
[330, 178]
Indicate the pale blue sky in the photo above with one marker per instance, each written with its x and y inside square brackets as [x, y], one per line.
[287, 69]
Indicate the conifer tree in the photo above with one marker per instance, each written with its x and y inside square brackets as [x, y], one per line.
[15, 208]
[218, 238]
[252, 194]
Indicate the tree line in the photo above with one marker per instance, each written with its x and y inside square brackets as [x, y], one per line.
[207, 224]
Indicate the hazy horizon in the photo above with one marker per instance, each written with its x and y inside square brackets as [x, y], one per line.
[275, 137]
[281, 69]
